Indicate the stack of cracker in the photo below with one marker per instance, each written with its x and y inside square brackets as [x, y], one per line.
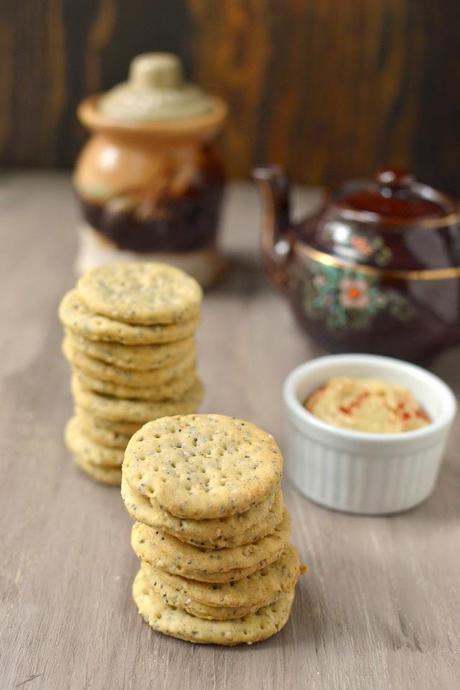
[130, 343]
[211, 531]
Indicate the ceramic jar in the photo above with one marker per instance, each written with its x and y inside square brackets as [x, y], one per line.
[148, 181]
[376, 269]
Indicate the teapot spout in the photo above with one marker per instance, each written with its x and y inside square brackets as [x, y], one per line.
[274, 187]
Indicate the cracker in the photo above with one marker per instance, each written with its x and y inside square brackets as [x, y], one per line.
[177, 623]
[235, 530]
[105, 436]
[175, 596]
[141, 293]
[128, 377]
[75, 316]
[257, 590]
[141, 411]
[103, 474]
[136, 357]
[170, 390]
[120, 427]
[164, 551]
[203, 466]
[88, 450]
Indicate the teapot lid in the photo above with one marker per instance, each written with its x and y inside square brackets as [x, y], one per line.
[155, 91]
[394, 197]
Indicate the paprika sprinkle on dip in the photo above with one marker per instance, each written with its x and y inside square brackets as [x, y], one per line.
[367, 405]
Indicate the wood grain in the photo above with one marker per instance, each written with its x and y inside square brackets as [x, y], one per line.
[380, 606]
[330, 89]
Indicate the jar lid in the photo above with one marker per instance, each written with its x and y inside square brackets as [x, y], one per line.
[154, 91]
[394, 197]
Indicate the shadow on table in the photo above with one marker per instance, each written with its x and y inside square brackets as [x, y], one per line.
[299, 631]
[443, 507]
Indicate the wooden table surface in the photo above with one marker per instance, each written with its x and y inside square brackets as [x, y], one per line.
[380, 607]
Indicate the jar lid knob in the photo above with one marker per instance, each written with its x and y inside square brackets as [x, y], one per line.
[155, 90]
[157, 70]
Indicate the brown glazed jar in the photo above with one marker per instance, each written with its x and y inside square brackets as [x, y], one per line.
[148, 180]
[376, 269]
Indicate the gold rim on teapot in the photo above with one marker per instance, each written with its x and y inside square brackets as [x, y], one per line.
[394, 274]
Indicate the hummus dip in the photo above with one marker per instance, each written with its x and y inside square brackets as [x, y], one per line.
[367, 405]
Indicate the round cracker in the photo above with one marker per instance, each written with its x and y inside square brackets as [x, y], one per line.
[136, 357]
[251, 592]
[177, 623]
[142, 293]
[169, 390]
[203, 466]
[101, 434]
[103, 474]
[224, 565]
[141, 411]
[76, 316]
[120, 427]
[128, 377]
[175, 596]
[243, 528]
[94, 453]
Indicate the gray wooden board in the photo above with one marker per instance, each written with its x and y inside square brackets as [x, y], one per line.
[380, 607]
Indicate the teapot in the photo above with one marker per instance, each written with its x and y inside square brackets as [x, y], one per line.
[375, 269]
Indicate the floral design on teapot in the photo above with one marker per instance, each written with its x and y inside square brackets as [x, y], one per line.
[372, 248]
[364, 247]
[343, 298]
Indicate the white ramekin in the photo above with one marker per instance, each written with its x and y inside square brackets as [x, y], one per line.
[360, 472]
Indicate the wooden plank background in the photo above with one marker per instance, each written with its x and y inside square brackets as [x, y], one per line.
[330, 88]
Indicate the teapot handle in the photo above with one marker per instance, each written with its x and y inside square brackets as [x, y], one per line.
[277, 236]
